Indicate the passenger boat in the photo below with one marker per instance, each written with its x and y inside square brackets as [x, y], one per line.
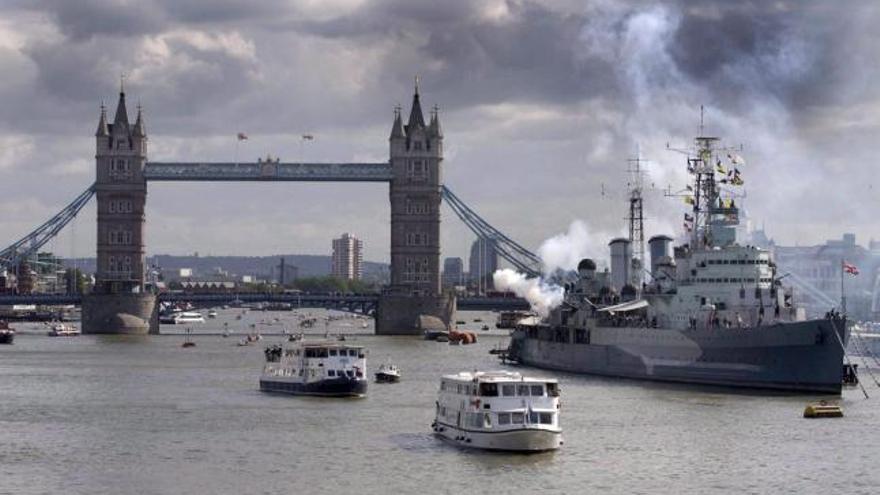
[7, 333]
[499, 410]
[182, 317]
[322, 368]
[388, 373]
[62, 330]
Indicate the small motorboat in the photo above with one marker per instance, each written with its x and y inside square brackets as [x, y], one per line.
[212, 314]
[388, 373]
[460, 322]
[7, 333]
[484, 327]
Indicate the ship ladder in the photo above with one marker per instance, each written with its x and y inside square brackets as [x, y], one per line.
[863, 350]
[866, 349]
[843, 348]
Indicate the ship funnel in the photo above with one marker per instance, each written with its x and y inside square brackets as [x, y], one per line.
[659, 247]
[621, 262]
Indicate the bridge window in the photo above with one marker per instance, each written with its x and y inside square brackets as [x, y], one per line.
[417, 169]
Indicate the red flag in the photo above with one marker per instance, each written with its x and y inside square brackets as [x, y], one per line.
[850, 268]
[242, 136]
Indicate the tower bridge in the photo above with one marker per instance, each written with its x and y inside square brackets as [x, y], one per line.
[120, 302]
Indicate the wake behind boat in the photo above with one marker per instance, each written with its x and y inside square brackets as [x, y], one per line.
[322, 368]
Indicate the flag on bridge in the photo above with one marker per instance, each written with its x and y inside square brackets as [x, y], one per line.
[850, 268]
[242, 136]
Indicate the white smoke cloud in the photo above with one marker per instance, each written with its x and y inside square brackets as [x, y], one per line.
[542, 296]
[564, 251]
[561, 252]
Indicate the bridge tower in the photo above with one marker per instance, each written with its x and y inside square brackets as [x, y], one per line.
[416, 156]
[120, 302]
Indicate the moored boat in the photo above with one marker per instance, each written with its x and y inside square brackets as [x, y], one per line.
[7, 333]
[321, 368]
[499, 410]
[714, 311]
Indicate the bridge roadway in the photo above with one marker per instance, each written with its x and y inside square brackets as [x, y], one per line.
[364, 302]
[268, 171]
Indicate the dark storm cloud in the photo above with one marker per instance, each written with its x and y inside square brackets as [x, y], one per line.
[537, 89]
[82, 19]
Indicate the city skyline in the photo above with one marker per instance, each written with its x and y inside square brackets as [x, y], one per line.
[596, 82]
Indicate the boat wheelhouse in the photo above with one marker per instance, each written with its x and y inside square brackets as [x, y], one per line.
[322, 368]
[499, 410]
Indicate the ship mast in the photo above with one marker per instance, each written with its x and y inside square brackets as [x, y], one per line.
[714, 214]
[636, 220]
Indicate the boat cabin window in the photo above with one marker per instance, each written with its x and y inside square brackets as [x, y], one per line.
[537, 390]
[534, 417]
[553, 389]
[508, 390]
[517, 418]
[331, 372]
[503, 418]
[332, 352]
[489, 389]
[522, 390]
[546, 418]
[316, 352]
[353, 352]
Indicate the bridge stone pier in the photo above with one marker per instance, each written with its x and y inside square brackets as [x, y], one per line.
[120, 302]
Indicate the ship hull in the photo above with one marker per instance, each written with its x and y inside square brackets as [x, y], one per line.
[517, 440]
[339, 387]
[802, 357]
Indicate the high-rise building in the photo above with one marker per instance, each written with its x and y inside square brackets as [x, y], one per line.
[483, 263]
[453, 272]
[347, 257]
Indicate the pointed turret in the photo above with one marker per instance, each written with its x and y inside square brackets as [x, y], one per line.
[397, 127]
[415, 114]
[139, 129]
[102, 123]
[434, 128]
[121, 119]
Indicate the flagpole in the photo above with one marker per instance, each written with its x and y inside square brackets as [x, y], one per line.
[842, 293]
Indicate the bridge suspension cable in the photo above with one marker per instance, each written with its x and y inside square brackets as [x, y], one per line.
[521, 258]
[25, 247]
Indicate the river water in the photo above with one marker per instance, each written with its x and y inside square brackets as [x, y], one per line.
[141, 415]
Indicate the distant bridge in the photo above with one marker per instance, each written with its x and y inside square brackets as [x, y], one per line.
[361, 302]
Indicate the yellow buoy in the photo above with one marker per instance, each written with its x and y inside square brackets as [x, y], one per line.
[823, 410]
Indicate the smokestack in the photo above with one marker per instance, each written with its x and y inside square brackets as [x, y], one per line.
[659, 247]
[621, 262]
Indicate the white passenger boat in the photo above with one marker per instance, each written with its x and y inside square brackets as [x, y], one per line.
[323, 368]
[499, 410]
[182, 317]
[62, 330]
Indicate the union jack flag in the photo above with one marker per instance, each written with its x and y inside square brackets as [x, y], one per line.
[850, 268]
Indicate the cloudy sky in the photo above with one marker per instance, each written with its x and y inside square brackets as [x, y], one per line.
[542, 102]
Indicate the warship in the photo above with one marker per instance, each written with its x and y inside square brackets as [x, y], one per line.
[707, 311]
